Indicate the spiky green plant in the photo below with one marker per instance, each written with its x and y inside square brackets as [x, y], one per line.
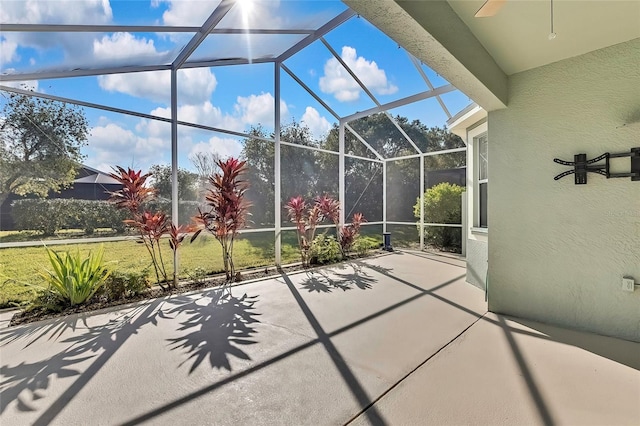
[75, 279]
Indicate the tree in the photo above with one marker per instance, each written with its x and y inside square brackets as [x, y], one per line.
[259, 155]
[308, 173]
[363, 179]
[187, 182]
[442, 204]
[206, 165]
[40, 145]
[301, 171]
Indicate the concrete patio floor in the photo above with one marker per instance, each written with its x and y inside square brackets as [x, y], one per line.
[396, 339]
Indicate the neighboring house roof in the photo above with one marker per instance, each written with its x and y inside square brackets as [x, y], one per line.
[98, 179]
[95, 176]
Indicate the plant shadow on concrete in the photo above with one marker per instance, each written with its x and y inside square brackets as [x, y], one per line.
[95, 346]
[219, 322]
[218, 325]
[325, 281]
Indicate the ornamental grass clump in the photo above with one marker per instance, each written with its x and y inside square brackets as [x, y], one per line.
[228, 209]
[75, 279]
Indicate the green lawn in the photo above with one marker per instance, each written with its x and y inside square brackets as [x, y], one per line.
[22, 266]
[16, 236]
[26, 264]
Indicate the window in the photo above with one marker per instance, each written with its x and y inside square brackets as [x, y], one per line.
[481, 144]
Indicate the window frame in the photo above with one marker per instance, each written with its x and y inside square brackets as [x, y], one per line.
[473, 136]
[482, 139]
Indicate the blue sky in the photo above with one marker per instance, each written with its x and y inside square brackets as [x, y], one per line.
[229, 97]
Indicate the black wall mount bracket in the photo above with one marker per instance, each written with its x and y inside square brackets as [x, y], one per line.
[582, 166]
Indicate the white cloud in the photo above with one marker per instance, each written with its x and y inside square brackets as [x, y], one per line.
[182, 12]
[27, 85]
[225, 147]
[248, 111]
[148, 142]
[195, 85]
[123, 45]
[155, 85]
[259, 109]
[112, 144]
[205, 113]
[256, 12]
[74, 45]
[58, 12]
[318, 125]
[337, 81]
[8, 51]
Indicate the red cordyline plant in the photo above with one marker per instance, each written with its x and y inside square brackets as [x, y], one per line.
[306, 220]
[228, 211]
[307, 217]
[349, 234]
[134, 192]
[151, 225]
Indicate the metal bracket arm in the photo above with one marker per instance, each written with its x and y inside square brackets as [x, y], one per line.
[582, 166]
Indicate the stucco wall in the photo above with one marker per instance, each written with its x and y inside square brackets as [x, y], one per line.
[476, 262]
[558, 251]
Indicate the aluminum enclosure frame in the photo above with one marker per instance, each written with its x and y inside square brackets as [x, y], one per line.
[181, 61]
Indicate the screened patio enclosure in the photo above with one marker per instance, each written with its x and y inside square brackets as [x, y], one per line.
[311, 94]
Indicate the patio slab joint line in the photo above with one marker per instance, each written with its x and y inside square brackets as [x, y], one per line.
[402, 379]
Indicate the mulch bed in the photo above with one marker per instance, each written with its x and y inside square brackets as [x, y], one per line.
[38, 314]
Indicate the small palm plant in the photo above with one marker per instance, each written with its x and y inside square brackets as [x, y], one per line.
[228, 210]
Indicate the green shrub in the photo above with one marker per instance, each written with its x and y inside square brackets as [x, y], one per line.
[50, 216]
[98, 214]
[442, 204]
[44, 216]
[75, 279]
[121, 285]
[363, 244]
[325, 249]
[186, 209]
[198, 275]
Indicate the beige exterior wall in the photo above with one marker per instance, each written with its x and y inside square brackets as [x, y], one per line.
[558, 251]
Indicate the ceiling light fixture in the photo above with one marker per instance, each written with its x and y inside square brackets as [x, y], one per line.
[552, 34]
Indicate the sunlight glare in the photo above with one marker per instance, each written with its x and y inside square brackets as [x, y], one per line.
[246, 8]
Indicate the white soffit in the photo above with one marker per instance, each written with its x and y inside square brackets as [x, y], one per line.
[517, 36]
[464, 119]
